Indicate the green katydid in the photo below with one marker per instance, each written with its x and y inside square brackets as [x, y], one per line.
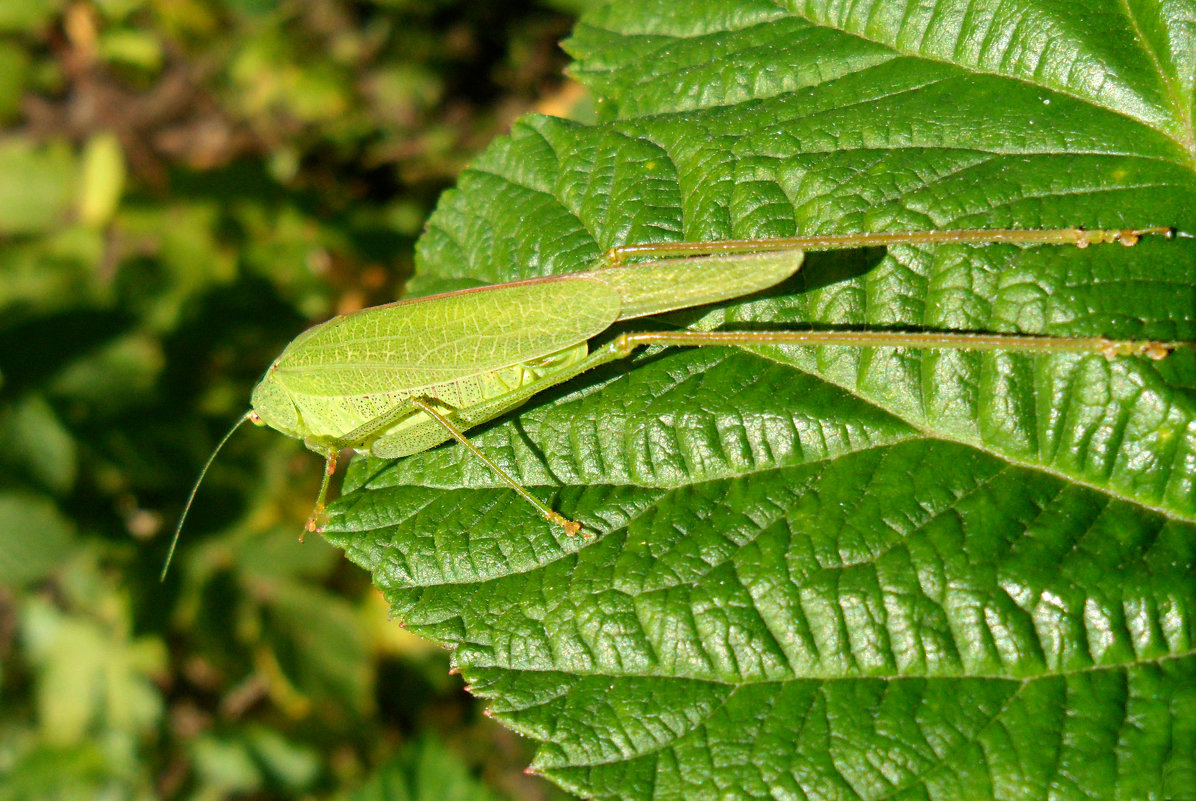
[394, 380]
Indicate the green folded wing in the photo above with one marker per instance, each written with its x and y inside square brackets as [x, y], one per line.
[443, 338]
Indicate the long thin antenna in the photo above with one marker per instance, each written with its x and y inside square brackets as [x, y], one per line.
[190, 498]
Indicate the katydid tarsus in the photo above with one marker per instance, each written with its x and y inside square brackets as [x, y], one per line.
[398, 379]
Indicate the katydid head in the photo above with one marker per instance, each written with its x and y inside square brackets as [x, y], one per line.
[250, 416]
[272, 406]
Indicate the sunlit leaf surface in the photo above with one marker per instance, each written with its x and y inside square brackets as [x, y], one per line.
[837, 573]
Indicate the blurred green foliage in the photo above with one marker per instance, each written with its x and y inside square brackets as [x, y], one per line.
[185, 185]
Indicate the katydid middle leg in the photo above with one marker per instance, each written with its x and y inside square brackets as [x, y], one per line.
[571, 527]
[375, 428]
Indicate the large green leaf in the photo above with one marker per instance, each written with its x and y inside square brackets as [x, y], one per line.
[837, 573]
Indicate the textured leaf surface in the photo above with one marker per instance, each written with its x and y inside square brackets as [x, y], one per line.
[837, 573]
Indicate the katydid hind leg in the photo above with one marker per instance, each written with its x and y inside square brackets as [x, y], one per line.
[1079, 237]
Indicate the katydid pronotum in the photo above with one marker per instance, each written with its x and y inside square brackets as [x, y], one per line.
[398, 379]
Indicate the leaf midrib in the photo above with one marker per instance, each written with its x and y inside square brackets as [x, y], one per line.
[1023, 681]
[1184, 120]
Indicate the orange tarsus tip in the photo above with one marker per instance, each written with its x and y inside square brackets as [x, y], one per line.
[1131, 236]
[1126, 236]
[313, 521]
[1113, 349]
[530, 771]
[571, 527]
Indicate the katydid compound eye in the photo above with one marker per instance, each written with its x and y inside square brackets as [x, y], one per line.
[256, 419]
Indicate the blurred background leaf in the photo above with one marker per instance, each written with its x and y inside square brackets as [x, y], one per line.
[184, 186]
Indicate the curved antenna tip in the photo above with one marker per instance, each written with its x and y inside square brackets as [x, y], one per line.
[174, 541]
